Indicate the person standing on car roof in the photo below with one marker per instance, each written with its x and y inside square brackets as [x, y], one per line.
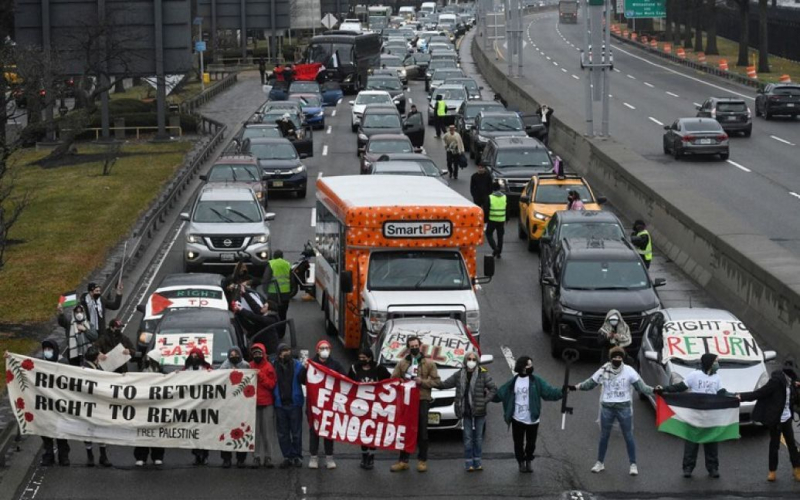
[640, 238]
[422, 370]
[196, 361]
[258, 325]
[776, 401]
[96, 305]
[265, 406]
[480, 187]
[498, 217]
[288, 74]
[617, 378]
[702, 381]
[90, 361]
[140, 453]
[365, 371]
[289, 399]
[522, 404]
[112, 339]
[278, 282]
[454, 147]
[323, 357]
[474, 390]
[50, 354]
[441, 112]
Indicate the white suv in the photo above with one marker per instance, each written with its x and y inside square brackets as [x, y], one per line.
[364, 99]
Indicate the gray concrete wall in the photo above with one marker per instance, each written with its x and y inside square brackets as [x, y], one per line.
[753, 277]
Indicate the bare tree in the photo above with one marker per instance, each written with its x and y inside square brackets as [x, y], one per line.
[711, 27]
[763, 36]
[12, 203]
[744, 31]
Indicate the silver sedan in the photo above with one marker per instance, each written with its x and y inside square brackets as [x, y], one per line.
[696, 136]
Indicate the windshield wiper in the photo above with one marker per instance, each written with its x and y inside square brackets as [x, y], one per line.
[220, 215]
[240, 214]
[612, 288]
[427, 273]
[233, 173]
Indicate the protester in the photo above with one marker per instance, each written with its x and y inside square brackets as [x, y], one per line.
[545, 113]
[258, 325]
[277, 73]
[574, 201]
[96, 305]
[289, 407]
[441, 113]
[140, 453]
[113, 337]
[775, 402]
[323, 357]
[522, 404]
[480, 187]
[50, 354]
[498, 217]
[640, 238]
[419, 368]
[262, 69]
[702, 381]
[278, 282]
[196, 361]
[614, 332]
[286, 126]
[454, 147]
[90, 361]
[617, 379]
[235, 361]
[80, 333]
[474, 389]
[365, 371]
[288, 74]
[239, 278]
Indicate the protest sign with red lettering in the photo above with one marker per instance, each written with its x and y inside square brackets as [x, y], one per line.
[378, 414]
[175, 347]
[690, 339]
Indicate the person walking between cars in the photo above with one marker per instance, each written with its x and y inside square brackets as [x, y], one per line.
[522, 399]
[617, 378]
[323, 357]
[640, 238]
[455, 151]
[438, 118]
[474, 390]
[262, 69]
[278, 282]
[112, 339]
[498, 216]
[50, 354]
[614, 332]
[265, 405]
[196, 361]
[96, 306]
[480, 187]
[419, 368]
[702, 381]
[289, 407]
[776, 401]
[90, 361]
[80, 333]
[366, 371]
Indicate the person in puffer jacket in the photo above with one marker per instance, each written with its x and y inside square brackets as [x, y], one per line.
[265, 405]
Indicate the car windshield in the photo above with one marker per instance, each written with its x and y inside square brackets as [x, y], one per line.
[218, 347]
[793, 91]
[304, 87]
[731, 107]
[472, 110]
[323, 52]
[391, 62]
[411, 270]
[556, 194]
[501, 123]
[469, 84]
[417, 167]
[382, 120]
[214, 211]
[373, 99]
[273, 151]
[442, 63]
[445, 74]
[257, 132]
[451, 94]
[535, 158]
[384, 84]
[605, 275]
[382, 146]
[235, 173]
[274, 117]
[308, 101]
[421, 57]
[702, 126]
[596, 230]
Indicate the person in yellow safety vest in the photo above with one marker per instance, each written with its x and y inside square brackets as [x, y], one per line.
[278, 283]
[498, 217]
[441, 113]
[641, 240]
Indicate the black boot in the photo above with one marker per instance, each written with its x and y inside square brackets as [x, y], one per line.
[522, 467]
[104, 461]
[371, 461]
[48, 460]
[89, 458]
[528, 466]
[364, 461]
[63, 461]
[226, 464]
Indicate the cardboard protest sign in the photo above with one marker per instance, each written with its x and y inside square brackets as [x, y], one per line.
[175, 347]
[211, 410]
[690, 339]
[378, 414]
[444, 349]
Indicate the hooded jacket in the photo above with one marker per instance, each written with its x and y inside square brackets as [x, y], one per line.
[621, 336]
[295, 371]
[267, 378]
[481, 390]
[77, 341]
[771, 398]
[227, 365]
[204, 365]
[427, 371]
[375, 372]
[52, 344]
[105, 306]
[538, 389]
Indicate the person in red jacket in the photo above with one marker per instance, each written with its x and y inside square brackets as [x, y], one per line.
[265, 412]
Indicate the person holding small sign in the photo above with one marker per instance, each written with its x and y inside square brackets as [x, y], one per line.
[111, 339]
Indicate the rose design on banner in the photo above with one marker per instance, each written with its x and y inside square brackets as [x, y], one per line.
[243, 385]
[241, 438]
[17, 372]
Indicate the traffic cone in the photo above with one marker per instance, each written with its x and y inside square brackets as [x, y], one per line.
[751, 72]
[681, 53]
[785, 79]
[668, 48]
[701, 57]
[723, 64]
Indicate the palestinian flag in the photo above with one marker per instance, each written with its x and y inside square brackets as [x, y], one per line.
[68, 299]
[699, 418]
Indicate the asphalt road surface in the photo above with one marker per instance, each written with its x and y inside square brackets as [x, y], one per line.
[511, 327]
[758, 184]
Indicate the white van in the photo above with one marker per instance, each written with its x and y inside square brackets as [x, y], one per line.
[406, 12]
[428, 7]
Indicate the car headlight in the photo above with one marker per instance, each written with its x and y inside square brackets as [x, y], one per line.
[298, 170]
[482, 138]
[570, 312]
[321, 113]
[540, 216]
[467, 126]
[357, 115]
[377, 319]
[260, 195]
[428, 75]
[144, 337]
[502, 182]
[762, 380]
[194, 238]
[348, 78]
[474, 321]
[403, 72]
[363, 137]
[261, 238]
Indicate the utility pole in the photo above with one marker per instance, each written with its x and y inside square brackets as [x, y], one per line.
[597, 59]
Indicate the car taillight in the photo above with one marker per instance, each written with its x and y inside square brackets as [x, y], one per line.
[774, 98]
[687, 138]
[748, 113]
[42, 93]
[722, 137]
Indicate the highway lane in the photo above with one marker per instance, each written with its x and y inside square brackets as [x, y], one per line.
[649, 94]
[511, 327]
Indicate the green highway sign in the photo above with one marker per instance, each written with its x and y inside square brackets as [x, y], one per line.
[645, 9]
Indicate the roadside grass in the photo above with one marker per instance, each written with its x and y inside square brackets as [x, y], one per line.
[75, 216]
[16, 345]
[145, 91]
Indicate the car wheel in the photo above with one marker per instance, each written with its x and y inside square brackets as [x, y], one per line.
[748, 132]
[471, 151]
[533, 245]
[666, 149]
[302, 193]
[353, 127]
[767, 115]
[521, 230]
[676, 153]
[724, 156]
[546, 326]
[330, 329]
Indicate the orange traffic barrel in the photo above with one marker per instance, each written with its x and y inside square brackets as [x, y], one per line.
[723, 64]
[681, 53]
[785, 79]
[701, 57]
[751, 72]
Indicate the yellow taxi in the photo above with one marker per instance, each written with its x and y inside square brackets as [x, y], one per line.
[546, 194]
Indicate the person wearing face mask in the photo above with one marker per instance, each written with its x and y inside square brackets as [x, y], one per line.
[419, 368]
[91, 361]
[366, 371]
[259, 325]
[617, 380]
[474, 390]
[111, 339]
[265, 409]
[323, 358]
[614, 332]
[80, 333]
[196, 361]
[522, 399]
[288, 395]
[50, 354]
[141, 453]
[235, 361]
[96, 305]
[703, 381]
[775, 402]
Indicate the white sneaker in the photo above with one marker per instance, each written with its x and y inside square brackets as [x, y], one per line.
[329, 463]
[598, 467]
[313, 463]
[140, 463]
[159, 462]
[634, 470]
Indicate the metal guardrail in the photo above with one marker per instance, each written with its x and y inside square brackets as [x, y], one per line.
[188, 106]
[98, 130]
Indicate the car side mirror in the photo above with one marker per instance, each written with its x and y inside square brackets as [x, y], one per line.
[443, 172]
[204, 178]
[405, 88]
[352, 102]
[659, 282]
[667, 127]
[185, 216]
[548, 281]
[269, 216]
[141, 308]
[346, 282]
[486, 359]
[602, 200]
[698, 108]
[651, 356]
[770, 356]
[525, 199]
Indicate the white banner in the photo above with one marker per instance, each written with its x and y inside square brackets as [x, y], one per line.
[211, 410]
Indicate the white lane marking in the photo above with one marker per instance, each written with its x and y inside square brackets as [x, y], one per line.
[650, 85]
[555, 63]
[632, 77]
[313, 217]
[629, 106]
[618, 71]
[547, 57]
[325, 150]
[672, 94]
[794, 194]
[564, 70]
[319, 175]
[329, 129]
[696, 103]
[509, 357]
[781, 140]
[740, 167]
[685, 76]
[655, 121]
[575, 77]
[333, 113]
[410, 101]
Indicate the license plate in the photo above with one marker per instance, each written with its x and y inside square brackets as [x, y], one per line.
[277, 184]
[790, 105]
[227, 257]
[705, 141]
[731, 118]
[434, 418]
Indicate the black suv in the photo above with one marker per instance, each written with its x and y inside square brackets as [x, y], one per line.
[586, 279]
[466, 113]
[778, 99]
[512, 161]
[491, 124]
[732, 113]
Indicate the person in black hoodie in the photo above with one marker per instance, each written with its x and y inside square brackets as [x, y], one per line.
[50, 353]
[323, 358]
[365, 371]
[111, 339]
[96, 306]
[258, 323]
[775, 401]
[90, 360]
[480, 187]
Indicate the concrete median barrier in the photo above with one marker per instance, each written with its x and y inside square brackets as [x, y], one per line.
[748, 274]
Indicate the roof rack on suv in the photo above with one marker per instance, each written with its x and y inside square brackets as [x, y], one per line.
[558, 176]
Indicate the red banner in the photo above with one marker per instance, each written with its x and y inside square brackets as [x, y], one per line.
[307, 72]
[378, 414]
